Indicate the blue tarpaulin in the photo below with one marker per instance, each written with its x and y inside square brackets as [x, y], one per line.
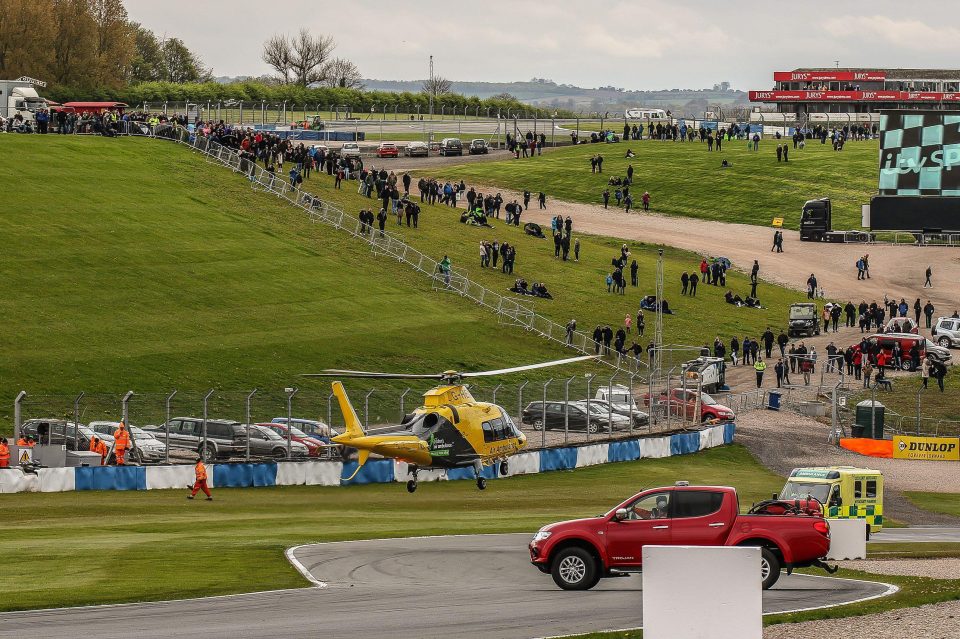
[684, 444]
[377, 471]
[558, 459]
[111, 478]
[728, 431]
[244, 475]
[489, 472]
[624, 451]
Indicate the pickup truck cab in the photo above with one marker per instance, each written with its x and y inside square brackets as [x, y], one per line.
[580, 552]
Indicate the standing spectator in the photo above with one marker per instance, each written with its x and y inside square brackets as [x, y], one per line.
[782, 341]
[645, 198]
[928, 310]
[693, 284]
[767, 338]
[684, 281]
[633, 273]
[627, 321]
[917, 309]
[606, 197]
[734, 350]
[867, 371]
[576, 250]
[925, 369]
[778, 369]
[759, 367]
[571, 328]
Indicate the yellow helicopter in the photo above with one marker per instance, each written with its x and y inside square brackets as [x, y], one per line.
[450, 430]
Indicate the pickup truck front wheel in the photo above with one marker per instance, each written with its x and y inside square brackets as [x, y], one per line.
[769, 568]
[575, 569]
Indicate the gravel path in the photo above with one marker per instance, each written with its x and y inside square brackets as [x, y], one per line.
[948, 568]
[936, 621]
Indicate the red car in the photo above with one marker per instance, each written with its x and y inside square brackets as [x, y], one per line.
[684, 403]
[580, 552]
[315, 447]
[387, 150]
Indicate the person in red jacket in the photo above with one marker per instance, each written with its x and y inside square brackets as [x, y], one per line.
[201, 484]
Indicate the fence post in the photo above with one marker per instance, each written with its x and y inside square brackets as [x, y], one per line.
[543, 431]
[166, 430]
[76, 421]
[366, 408]
[566, 409]
[919, 391]
[290, 391]
[203, 448]
[520, 400]
[402, 395]
[247, 422]
[589, 377]
[330, 411]
[610, 404]
[630, 398]
[493, 395]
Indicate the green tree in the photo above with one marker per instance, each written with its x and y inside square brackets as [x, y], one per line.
[148, 64]
[180, 64]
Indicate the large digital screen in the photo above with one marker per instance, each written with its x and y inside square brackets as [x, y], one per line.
[920, 153]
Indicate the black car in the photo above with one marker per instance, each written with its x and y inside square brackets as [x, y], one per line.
[553, 419]
[478, 147]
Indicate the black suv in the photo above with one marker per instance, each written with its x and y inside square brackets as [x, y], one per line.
[224, 438]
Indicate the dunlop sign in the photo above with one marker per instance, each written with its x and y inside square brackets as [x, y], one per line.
[935, 448]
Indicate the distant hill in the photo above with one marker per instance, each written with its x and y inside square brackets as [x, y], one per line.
[546, 93]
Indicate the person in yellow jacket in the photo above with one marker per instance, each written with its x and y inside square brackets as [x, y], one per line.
[760, 366]
[121, 443]
[4, 453]
[201, 484]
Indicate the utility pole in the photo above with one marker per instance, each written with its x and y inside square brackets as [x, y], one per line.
[432, 90]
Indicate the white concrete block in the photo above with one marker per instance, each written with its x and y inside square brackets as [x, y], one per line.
[848, 539]
[711, 437]
[57, 480]
[592, 455]
[401, 473]
[655, 447]
[323, 473]
[523, 464]
[291, 473]
[177, 476]
[14, 480]
[702, 592]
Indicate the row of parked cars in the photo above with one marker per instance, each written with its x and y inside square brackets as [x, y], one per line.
[447, 146]
[613, 409]
[224, 438]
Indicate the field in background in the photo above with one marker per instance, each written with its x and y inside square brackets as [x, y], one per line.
[236, 543]
[684, 179]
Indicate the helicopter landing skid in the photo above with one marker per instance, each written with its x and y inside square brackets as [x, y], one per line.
[412, 484]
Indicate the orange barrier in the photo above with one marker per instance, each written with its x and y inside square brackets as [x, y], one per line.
[869, 447]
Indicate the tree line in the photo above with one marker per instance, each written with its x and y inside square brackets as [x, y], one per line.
[81, 47]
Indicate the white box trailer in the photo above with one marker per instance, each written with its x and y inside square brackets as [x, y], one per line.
[20, 96]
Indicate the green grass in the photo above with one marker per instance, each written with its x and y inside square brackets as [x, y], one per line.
[685, 180]
[157, 271]
[946, 503]
[925, 550]
[192, 549]
[133, 264]
[938, 411]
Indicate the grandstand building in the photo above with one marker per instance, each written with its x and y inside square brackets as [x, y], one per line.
[801, 93]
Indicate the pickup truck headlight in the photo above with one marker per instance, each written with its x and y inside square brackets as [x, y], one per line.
[541, 536]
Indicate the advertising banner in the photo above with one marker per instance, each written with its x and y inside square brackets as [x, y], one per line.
[829, 76]
[918, 152]
[930, 448]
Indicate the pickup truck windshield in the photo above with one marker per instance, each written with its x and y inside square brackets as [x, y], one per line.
[801, 312]
[800, 490]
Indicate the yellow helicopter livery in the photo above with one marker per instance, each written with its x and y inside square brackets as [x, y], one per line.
[450, 430]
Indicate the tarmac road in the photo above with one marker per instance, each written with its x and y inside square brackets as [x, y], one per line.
[471, 586]
[931, 534]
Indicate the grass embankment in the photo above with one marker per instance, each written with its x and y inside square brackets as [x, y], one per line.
[133, 264]
[946, 503]
[157, 545]
[157, 271]
[685, 180]
[938, 411]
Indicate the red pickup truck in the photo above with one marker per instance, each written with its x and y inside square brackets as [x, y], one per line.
[580, 552]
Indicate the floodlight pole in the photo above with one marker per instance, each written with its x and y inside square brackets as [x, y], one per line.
[76, 421]
[290, 393]
[247, 422]
[203, 449]
[166, 429]
[17, 405]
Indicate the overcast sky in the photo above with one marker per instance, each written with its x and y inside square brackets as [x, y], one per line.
[652, 44]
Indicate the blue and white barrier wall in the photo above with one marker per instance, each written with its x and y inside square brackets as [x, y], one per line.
[325, 473]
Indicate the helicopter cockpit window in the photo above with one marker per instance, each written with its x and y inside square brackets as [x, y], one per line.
[498, 430]
[487, 432]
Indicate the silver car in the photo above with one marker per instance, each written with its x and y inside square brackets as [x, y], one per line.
[946, 332]
[149, 448]
[265, 442]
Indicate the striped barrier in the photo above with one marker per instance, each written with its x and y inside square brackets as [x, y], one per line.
[327, 473]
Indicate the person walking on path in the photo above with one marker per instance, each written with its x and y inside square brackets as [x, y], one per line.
[811, 286]
[542, 198]
[866, 265]
[200, 471]
[927, 283]
[759, 366]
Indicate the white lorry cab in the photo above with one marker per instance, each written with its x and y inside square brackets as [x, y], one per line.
[646, 114]
[20, 96]
[706, 371]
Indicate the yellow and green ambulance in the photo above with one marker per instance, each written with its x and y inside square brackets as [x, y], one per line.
[845, 492]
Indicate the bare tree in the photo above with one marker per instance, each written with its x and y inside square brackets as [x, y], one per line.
[309, 56]
[277, 54]
[344, 74]
[437, 86]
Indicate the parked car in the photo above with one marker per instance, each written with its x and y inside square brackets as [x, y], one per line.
[451, 146]
[225, 438]
[576, 419]
[265, 442]
[946, 332]
[149, 448]
[60, 432]
[902, 325]
[684, 403]
[478, 147]
[311, 427]
[907, 341]
[387, 150]
[315, 447]
[416, 149]
[640, 418]
[350, 150]
[580, 552]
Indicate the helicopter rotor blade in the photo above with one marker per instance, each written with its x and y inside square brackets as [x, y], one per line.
[529, 367]
[331, 372]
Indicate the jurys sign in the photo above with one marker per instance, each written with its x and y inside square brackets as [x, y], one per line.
[933, 448]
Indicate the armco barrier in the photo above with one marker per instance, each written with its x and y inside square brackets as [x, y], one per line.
[328, 473]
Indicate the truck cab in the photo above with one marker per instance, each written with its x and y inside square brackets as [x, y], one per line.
[709, 372]
[20, 97]
[815, 220]
[619, 396]
[846, 492]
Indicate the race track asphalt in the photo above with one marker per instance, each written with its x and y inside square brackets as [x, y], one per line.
[931, 534]
[469, 586]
